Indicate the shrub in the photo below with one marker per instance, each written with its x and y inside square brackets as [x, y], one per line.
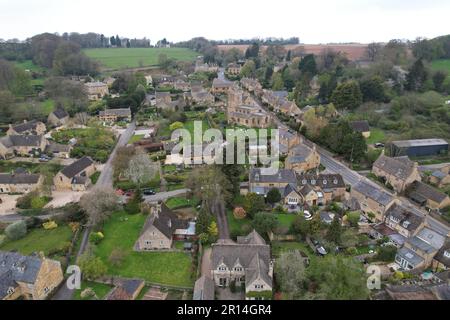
[16, 230]
[96, 237]
[353, 218]
[50, 225]
[2, 239]
[24, 202]
[386, 253]
[239, 213]
[351, 250]
[92, 267]
[39, 202]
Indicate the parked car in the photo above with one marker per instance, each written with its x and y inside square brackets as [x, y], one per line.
[148, 192]
[379, 145]
[307, 215]
[44, 158]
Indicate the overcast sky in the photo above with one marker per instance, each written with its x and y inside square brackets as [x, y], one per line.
[313, 21]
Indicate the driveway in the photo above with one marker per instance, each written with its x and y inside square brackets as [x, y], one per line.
[8, 205]
[206, 263]
[61, 198]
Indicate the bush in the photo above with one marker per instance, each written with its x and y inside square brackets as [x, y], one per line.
[16, 230]
[353, 218]
[50, 225]
[39, 202]
[352, 250]
[239, 213]
[96, 237]
[92, 267]
[2, 239]
[386, 253]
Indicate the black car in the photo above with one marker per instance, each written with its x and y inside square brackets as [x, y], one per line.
[148, 192]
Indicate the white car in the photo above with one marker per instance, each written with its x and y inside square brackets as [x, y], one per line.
[307, 215]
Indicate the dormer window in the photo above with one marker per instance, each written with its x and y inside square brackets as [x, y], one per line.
[335, 181]
[222, 268]
[324, 181]
[259, 286]
[10, 290]
[238, 269]
[447, 253]
[303, 181]
[313, 181]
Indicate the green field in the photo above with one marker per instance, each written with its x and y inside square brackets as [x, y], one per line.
[121, 231]
[29, 65]
[122, 58]
[442, 64]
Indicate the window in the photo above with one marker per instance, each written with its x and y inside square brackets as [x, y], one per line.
[46, 289]
[222, 268]
[259, 286]
[238, 269]
[10, 290]
[149, 243]
[447, 254]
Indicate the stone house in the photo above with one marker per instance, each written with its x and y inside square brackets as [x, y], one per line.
[440, 178]
[441, 260]
[288, 108]
[28, 277]
[201, 96]
[161, 228]
[403, 220]
[234, 69]
[96, 90]
[250, 116]
[182, 85]
[58, 118]
[328, 187]
[114, 115]
[221, 86]
[246, 261]
[302, 158]
[371, 199]
[252, 85]
[261, 183]
[75, 176]
[426, 195]
[399, 172]
[22, 182]
[162, 98]
[58, 150]
[419, 251]
[361, 126]
[32, 127]
[21, 145]
[287, 140]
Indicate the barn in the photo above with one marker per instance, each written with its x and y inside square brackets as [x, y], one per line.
[419, 148]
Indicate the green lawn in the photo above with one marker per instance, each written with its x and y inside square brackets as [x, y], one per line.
[189, 125]
[100, 289]
[136, 138]
[29, 65]
[376, 135]
[180, 202]
[285, 220]
[238, 226]
[41, 240]
[442, 64]
[171, 268]
[119, 58]
[279, 247]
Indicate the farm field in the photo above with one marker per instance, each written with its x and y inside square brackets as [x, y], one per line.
[122, 58]
[442, 64]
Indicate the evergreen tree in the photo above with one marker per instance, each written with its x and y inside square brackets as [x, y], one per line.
[416, 77]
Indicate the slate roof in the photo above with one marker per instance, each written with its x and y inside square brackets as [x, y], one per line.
[400, 167]
[282, 176]
[257, 268]
[441, 257]
[77, 167]
[60, 113]
[419, 143]
[204, 289]
[252, 238]
[410, 256]
[360, 126]
[221, 83]
[22, 141]
[407, 219]
[26, 126]
[409, 292]
[54, 147]
[15, 267]
[431, 238]
[299, 154]
[19, 178]
[165, 221]
[121, 112]
[420, 190]
[374, 193]
[325, 181]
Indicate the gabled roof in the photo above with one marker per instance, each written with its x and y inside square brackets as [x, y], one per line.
[299, 154]
[60, 113]
[257, 269]
[421, 190]
[441, 256]
[407, 219]
[19, 178]
[26, 126]
[77, 167]
[375, 193]
[15, 267]
[166, 221]
[360, 126]
[400, 167]
[325, 181]
[252, 238]
[121, 112]
[282, 176]
[26, 141]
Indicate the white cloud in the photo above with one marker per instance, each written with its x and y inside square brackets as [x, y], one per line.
[312, 21]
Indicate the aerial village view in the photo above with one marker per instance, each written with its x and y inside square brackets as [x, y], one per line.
[109, 189]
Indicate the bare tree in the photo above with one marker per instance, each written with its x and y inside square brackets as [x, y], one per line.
[291, 273]
[141, 169]
[81, 118]
[99, 204]
[372, 51]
